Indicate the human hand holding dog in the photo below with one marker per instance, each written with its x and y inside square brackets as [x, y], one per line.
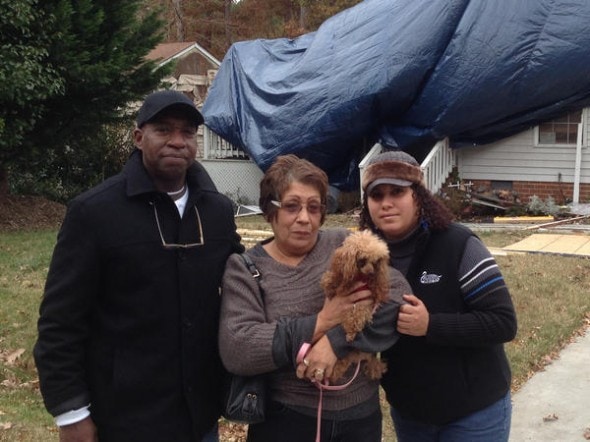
[413, 317]
[334, 309]
[318, 363]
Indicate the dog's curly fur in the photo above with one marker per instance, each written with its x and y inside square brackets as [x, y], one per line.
[362, 257]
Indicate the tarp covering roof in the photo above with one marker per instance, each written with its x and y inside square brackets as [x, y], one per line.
[407, 73]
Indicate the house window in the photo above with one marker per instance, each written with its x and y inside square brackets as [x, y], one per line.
[559, 132]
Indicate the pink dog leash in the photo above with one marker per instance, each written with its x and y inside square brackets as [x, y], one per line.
[323, 386]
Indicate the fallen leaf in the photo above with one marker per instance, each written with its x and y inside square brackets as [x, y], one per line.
[550, 418]
[10, 383]
[6, 426]
[12, 357]
[232, 432]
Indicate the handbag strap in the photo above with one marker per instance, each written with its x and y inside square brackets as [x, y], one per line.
[253, 270]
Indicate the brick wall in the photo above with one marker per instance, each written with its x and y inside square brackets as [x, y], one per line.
[562, 193]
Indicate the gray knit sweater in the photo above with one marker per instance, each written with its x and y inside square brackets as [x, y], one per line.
[264, 335]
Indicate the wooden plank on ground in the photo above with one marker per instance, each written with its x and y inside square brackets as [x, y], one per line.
[567, 244]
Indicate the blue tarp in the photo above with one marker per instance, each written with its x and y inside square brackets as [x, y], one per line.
[406, 73]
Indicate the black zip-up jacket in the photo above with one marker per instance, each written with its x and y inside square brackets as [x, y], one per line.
[460, 366]
[131, 327]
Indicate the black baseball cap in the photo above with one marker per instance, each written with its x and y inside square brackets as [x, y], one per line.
[158, 101]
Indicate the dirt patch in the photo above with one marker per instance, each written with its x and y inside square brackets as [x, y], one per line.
[20, 212]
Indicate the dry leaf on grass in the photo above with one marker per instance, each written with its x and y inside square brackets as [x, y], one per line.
[11, 358]
[6, 426]
[9, 383]
[232, 432]
[550, 418]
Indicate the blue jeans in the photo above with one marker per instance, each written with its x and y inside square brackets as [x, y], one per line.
[285, 425]
[492, 424]
[213, 435]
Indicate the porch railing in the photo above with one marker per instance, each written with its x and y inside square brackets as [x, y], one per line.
[216, 148]
[438, 165]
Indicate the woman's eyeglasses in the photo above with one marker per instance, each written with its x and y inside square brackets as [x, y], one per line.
[294, 207]
[180, 246]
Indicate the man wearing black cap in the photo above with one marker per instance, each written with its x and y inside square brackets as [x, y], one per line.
[127, 346]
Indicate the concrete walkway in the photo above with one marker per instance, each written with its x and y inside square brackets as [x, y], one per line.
[554, 405]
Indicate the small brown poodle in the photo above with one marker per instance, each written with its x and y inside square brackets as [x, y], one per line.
[362, 257]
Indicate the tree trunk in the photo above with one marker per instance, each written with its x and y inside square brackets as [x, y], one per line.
[302, 16]
[3, 182]
[227, 20]
[178, 19]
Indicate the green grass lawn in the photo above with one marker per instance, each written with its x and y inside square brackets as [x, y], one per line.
[551, 294]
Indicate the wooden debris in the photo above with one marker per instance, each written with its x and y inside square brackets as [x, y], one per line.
[561, 221]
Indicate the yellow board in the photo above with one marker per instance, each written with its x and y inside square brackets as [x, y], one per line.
[523, 219]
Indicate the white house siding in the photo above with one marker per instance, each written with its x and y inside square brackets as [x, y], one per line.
[518, 159]
[238, 179]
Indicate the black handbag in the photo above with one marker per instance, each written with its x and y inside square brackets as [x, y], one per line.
[245, 400]
[245, 396]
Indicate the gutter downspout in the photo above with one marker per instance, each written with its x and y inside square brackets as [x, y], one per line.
[578, 166]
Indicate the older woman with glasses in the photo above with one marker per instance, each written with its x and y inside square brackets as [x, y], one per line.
[264, 324]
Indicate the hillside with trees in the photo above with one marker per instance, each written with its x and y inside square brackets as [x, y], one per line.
[216, 24]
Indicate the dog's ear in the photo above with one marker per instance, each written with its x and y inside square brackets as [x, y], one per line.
[332, 278]
[327, 284]
[348, 263]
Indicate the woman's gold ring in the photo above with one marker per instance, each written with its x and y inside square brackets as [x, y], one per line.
[318, 373]
[306, 362]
